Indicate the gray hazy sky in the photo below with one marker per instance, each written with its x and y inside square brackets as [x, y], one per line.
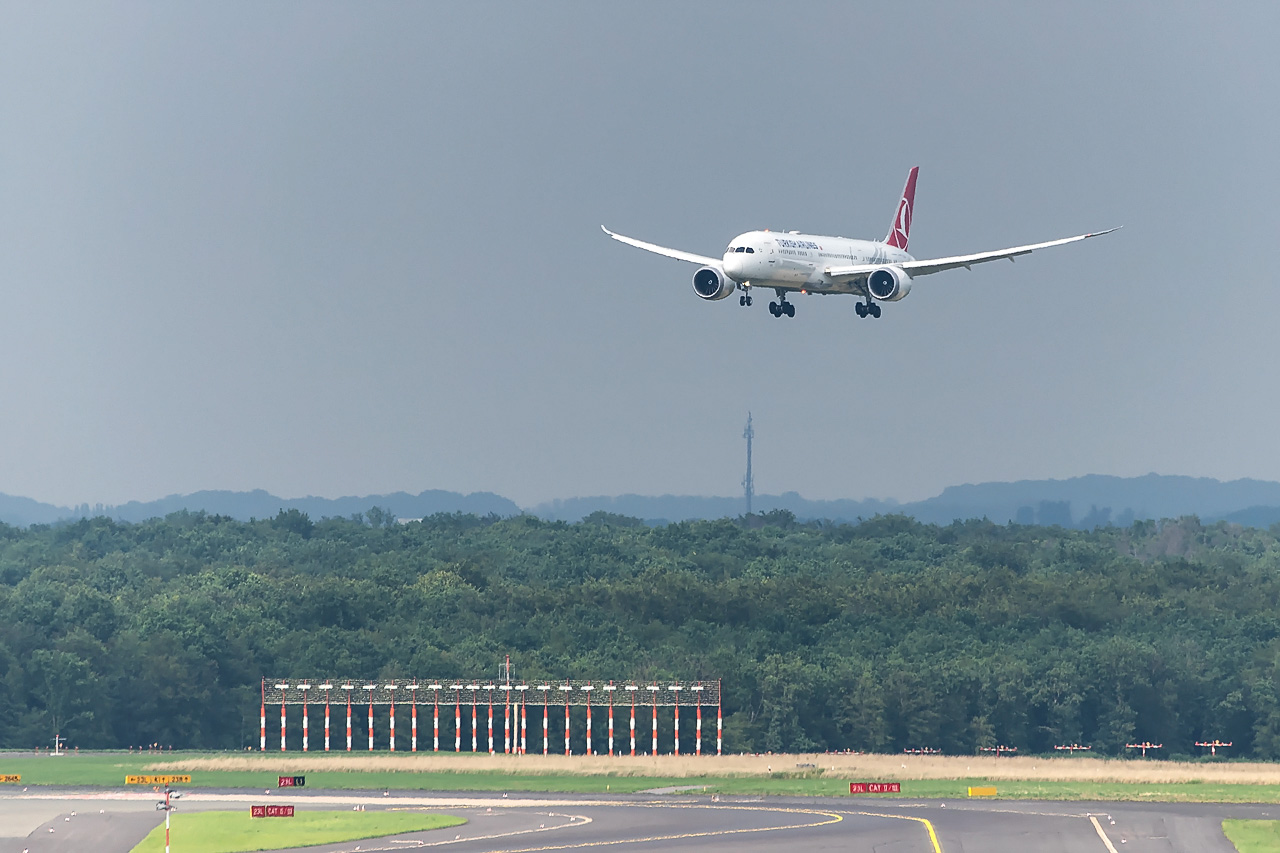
[337, 249]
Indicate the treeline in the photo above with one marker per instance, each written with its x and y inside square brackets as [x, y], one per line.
[879, 636]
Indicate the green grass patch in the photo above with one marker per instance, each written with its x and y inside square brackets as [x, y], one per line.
[236, 832]
[1253, 836]
[109, 769]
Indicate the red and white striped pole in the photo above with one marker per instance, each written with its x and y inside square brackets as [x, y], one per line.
[475, 726]
[566, 720]
[698, 742]
[435, 704]
[371, 718]
[391, 735]
[263, 743]
[719, 721]
[545, 739]
[326, 719]
[588, 689]
[306, 732]
[506, 721]
[282, 721]
[610, 688]
[676, 735]
[655, 720]
[491, 722]
[633, 722]
[414, 721]
[457, 720]
[348, 689]
[524, 729]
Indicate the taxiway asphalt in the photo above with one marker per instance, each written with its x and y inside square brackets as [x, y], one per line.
[64, 820]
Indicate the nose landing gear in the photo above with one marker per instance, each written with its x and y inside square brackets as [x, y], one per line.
[867, 309]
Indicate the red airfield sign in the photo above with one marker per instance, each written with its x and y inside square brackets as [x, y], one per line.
[270, 811]
[875, 787]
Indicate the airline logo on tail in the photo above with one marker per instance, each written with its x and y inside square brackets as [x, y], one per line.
[901, 229]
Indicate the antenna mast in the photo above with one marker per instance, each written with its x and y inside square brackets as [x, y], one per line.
[748, 484]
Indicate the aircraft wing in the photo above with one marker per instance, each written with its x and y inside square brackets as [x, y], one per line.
[928, 267]
[663, 250]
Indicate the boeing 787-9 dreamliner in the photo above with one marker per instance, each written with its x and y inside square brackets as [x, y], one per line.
[807, 263]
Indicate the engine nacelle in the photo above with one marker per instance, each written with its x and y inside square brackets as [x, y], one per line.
[711, 284]
[888, 284]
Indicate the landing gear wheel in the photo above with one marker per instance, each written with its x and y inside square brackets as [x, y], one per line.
[860, 309]
[875, 310]
[773, 309]
[748, 301]
[789, 308]
[742, 300]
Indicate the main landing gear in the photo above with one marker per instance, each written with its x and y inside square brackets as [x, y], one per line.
[782, 306]
[867, 308]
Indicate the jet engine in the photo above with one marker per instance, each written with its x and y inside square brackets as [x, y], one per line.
[711, 283]
[888, 284]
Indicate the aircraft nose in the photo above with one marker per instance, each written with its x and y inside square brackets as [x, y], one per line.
[733, 265]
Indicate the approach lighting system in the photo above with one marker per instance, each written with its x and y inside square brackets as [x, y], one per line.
[592, 695]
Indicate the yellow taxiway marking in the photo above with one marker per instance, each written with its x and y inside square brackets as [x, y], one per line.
[831, 818]
[933, 836]
[1107, 841]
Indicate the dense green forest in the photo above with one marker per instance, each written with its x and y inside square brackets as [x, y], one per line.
[877, 636]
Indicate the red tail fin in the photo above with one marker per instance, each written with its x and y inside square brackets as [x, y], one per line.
[901, 228]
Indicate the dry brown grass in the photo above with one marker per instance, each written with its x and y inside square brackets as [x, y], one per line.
[899, 767]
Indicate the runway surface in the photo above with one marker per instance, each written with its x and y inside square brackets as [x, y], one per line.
[64, 820]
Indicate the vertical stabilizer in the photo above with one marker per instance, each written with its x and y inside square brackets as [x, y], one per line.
[900, 230]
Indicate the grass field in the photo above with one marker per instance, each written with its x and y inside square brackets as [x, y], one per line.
[1253, 836]
[236, 832]
[803, 775]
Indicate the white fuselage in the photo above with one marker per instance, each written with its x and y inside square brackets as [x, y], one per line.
[791, 261]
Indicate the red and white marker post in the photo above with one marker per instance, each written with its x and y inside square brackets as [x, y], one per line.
[263, 719]
[587, 688]
[490, 689]
[306, 726]
[697, 748]
[327, 687]
[546, 742]
[654, 688]
[631, 688]
[609, 688]
[567, 688]
[348, 688]
[457, 718]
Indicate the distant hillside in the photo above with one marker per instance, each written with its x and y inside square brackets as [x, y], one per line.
[1091, 501]
[686, 507]
[1085, 502]
[260, 504]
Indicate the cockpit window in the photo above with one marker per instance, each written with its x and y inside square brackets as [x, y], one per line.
[751, 250]
[740, 249]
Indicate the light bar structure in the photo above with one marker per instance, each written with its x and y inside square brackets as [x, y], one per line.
[584, 693]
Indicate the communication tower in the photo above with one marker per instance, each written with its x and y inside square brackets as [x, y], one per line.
[748, 484]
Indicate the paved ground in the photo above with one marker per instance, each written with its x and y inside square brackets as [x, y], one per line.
[114, 821]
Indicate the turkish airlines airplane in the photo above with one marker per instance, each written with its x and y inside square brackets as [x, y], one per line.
[786, 263]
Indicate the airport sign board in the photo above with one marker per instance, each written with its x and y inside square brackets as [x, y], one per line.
[875, 787]
[10, 777]
[157, 780]
[291, 781]
[270, 811]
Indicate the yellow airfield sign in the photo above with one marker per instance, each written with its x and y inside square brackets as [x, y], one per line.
[157, 780]
[10, 777]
